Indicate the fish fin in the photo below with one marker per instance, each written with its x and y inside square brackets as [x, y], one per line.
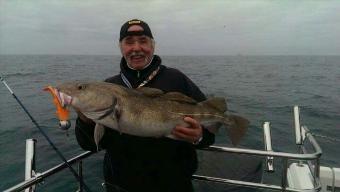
[117, 114]
[116, 109]
[99, 131]
[179, 97]
[237, 128]
[213, 127]
[105, 114]
[150, 92]
[218, 103]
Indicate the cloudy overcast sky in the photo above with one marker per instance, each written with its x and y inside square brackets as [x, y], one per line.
[190, 27]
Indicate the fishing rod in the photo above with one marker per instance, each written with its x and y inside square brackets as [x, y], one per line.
[45, 135]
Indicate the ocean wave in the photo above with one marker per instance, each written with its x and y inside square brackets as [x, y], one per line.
[319, 113]
[258, 88]
[22, 74]
[322, 98]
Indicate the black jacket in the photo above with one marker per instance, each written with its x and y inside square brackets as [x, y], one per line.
[141, 163]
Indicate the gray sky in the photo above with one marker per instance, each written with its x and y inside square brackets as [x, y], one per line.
[190, 27]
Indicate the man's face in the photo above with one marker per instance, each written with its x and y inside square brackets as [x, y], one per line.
[137, 50]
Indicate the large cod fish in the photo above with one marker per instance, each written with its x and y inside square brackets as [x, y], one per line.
[146, 112]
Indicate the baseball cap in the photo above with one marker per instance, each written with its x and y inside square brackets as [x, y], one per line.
[125, 27]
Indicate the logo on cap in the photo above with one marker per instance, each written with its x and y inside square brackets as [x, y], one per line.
[124, 30]
[132, 22]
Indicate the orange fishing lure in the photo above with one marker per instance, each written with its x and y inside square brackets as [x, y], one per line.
[62, 113]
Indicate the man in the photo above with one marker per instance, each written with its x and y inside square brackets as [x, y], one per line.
[134, 163]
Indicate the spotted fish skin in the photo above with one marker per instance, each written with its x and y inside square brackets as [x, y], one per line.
[145, 112]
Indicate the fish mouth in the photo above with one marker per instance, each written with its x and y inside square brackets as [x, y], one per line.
[64, 99]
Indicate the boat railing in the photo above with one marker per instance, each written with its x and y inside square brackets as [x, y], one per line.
[302, 135]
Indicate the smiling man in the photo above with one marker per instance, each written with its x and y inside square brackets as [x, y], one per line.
[141, 163]
[137, 44]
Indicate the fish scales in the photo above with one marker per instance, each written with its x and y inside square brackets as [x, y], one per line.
[146, 112]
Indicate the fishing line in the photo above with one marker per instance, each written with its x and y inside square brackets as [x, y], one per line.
[45, 135]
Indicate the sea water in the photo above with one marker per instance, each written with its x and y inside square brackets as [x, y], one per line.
[260, 88]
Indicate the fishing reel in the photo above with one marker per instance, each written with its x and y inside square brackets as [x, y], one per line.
[64, 124]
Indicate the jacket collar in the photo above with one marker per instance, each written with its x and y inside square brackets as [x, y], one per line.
[136, 77]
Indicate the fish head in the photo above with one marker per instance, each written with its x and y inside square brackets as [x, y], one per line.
[85, 96]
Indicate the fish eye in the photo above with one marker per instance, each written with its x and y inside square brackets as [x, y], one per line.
[81, 86]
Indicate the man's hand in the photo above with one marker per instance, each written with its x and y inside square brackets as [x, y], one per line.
[192, 134]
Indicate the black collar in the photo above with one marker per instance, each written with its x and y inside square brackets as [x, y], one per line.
[136, 77]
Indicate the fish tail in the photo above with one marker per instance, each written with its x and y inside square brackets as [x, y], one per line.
[237, 128]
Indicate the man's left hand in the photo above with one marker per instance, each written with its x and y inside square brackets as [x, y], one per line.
[193, 133]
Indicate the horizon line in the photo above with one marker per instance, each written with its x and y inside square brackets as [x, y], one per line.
[240, 55]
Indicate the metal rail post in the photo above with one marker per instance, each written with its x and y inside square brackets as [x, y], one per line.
[30, 162]
[268, 146]
[80, 173]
